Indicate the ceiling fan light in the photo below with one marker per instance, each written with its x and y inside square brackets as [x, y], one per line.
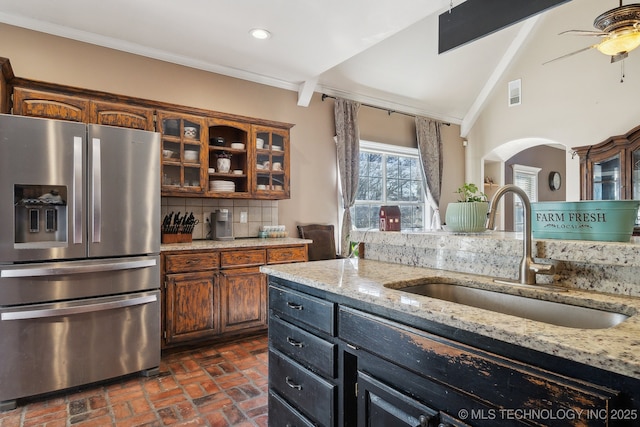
[616, 44]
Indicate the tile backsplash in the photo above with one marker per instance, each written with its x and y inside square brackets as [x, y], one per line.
[258, 213]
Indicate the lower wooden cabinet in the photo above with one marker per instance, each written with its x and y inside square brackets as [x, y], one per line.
[217, 293]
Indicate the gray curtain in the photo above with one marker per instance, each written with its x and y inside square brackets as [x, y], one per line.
[348, 145]
[430, 147]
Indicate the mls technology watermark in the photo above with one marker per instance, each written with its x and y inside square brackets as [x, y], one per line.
[548, 414]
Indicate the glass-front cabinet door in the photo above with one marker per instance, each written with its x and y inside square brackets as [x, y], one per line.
[271, 162]
[607, 179]
[183, 155]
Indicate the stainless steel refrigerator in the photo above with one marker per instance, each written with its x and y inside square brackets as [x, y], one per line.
[79, 254]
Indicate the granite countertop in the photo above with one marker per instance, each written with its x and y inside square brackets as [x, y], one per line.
[233, 244]
[615, 349]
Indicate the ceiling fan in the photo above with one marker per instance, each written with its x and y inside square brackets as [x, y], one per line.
[619, 29]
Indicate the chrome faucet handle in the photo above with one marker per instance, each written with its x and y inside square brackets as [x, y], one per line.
[542, 268]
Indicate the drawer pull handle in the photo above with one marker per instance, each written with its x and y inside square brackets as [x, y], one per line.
[294, 342]
[292, 384]
[294, 306]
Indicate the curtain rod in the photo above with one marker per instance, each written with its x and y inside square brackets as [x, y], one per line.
[389, 112]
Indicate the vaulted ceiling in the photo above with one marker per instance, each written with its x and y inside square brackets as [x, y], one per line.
[377, 52]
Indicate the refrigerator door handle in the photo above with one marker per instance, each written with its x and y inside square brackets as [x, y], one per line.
[78, 269]
[76, 213]
[81, 309]
[96, 180]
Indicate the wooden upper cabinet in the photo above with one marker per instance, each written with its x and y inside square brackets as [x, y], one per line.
[52, 105]
[6, 74]
[122, 115]
[36, 103]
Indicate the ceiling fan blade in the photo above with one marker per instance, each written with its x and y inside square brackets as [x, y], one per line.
[584, 33]
[570, 54]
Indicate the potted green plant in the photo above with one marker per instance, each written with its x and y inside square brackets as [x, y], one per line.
[469, 213]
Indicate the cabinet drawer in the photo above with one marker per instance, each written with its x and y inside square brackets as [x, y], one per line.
[486, 376]
[308, 392]
[313, 312]
[381, 406]
[286, 255]
[193, 261]
[283, 414]
[242, 258]
[315, 353]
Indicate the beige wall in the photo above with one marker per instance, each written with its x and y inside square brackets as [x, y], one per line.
[314, 195]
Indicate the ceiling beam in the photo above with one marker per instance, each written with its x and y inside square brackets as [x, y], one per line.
[305, 92]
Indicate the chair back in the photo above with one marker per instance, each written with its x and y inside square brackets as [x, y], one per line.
[324, 244]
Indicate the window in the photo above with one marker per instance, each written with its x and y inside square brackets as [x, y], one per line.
[525, 177]
[389, 175]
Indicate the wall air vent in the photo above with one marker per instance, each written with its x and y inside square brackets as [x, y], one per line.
[515, 92]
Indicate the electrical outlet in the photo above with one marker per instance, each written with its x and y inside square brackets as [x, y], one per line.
[243, 217]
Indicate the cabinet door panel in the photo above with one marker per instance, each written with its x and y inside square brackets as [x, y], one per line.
[243, 295]
[35, 103]
[191, 305]
[122, 115]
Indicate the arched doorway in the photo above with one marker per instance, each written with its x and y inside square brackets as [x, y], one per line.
[548, 155]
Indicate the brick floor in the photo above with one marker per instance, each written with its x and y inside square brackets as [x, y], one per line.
[217, 385]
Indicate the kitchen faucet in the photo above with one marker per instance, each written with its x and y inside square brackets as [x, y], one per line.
[528, 268]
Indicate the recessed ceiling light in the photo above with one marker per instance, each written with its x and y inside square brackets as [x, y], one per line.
[260, 33]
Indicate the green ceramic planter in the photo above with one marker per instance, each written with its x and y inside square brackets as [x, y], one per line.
[466, 217]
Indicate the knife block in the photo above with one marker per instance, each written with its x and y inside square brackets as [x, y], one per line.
[176, 238]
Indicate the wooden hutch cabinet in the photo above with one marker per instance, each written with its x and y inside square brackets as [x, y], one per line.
[610, 170]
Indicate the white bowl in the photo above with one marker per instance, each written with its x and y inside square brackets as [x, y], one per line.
[237, 145]
[191, 155]
[262, 187]
[167, 154]
[237, 171]
[212, 170]
[276, 147]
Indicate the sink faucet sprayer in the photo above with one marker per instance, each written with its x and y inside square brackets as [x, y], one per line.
[528, 268]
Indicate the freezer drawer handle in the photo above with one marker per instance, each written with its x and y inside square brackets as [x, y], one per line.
[89, 308]
[79, 269]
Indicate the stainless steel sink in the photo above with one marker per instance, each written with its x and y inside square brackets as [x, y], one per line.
[555, 313]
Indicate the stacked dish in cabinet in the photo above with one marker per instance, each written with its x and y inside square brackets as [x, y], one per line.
[221, 185]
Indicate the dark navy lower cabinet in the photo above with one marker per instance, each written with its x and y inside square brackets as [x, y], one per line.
[343, 365]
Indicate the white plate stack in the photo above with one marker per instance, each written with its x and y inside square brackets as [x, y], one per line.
[222, 186]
